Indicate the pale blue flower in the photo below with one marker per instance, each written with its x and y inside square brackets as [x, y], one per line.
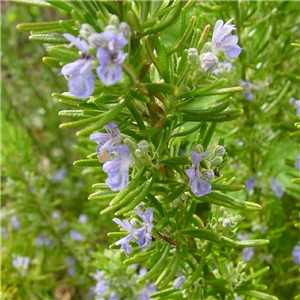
[248, 253]
[82, 218]
[110, 56]
[297, 163]
[296, 254]
[76, 236]
[198, 186]
[70, 261]
[224, 41]
[42, 240]
[80, 76]
[145, 293]
[250, 183]
[55, 215]
[21, 263]
[118, 168]
[124, 242]
[277, 188]
[248, 89]
[296, 103]
[179, 282]
[104, 140]
[15, 222]
[59, 175]
[209, 62]
[144, 233]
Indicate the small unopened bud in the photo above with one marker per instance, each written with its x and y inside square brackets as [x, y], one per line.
[221, 150]
[124, 29]
[209, 62]
[138, 153]
[199, 148]
[179, 282]
[193, 55]
[113, 20]
[86, 30]
[111, 28]
[209, 175]
[143, 144]
[216, 161]
[96, 41]
[226, 223]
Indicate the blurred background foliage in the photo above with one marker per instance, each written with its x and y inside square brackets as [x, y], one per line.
[44, 198]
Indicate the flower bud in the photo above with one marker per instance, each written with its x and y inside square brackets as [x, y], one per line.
[193, 55]
[86, 30]
[209, 175]
[124, 29]
[209, 62]
[96, 41]
[221, 150]
[226, 223]
[113, 20]
[199, 148]
[216, 161]
[111, 28]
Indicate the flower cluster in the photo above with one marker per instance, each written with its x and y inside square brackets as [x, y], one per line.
[199, 180]
[115, 155]
[222, 41]
[142, 235]
[96, 48]
[21, 263]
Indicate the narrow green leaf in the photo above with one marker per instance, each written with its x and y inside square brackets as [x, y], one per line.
[227, 188]
[202, 234]
[63, 53]
[155, 269]
[48, 38]
[259, 295]
[84, 163]
[252, 243]
[51, 62]
[165, 88]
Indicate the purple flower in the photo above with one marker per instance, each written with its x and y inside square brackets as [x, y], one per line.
[76, 236]
[277, 188]
[179, 282]
[71, 267]
[124, 242]
[21, 263]
[144, 233]
[296, 254]
[242, 236]
[81, 78]
[118, 169]
[105, 140]
[297, 163]
[248, 253]
[248, 89]
[4, 232]
[209, 62]
[15, 222]
[238, 298]
[55, 215]
[82, 218]
[251, 183]
[110, 56]
[198, 186]
[42, 240]
[145, 293]
[59, 175]
[224, 41]
[101, 286]
[296, 103]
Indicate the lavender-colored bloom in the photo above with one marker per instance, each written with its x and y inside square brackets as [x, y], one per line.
[124, 242]
[55, 215]
[101, 286]
[113, 296]
[144, 233]
[251, 183]
[209, 62]
[59, 175]
[295, 103]
[21, 263]
[145, 293]
[277, 188]
[118, 169]
[248, 89]
[76, 236]
[82, 218]
[42, 240]
[226, 223]
[297, 163]
[242, 236]
[110, 56]
[179, 282]
[238, 298]
[296, 254]
[248, 253]
[105, 140]
[81, 78]
[4, 232]
[198, 186]
[15, 222]
[71, 267]
[224, 41]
